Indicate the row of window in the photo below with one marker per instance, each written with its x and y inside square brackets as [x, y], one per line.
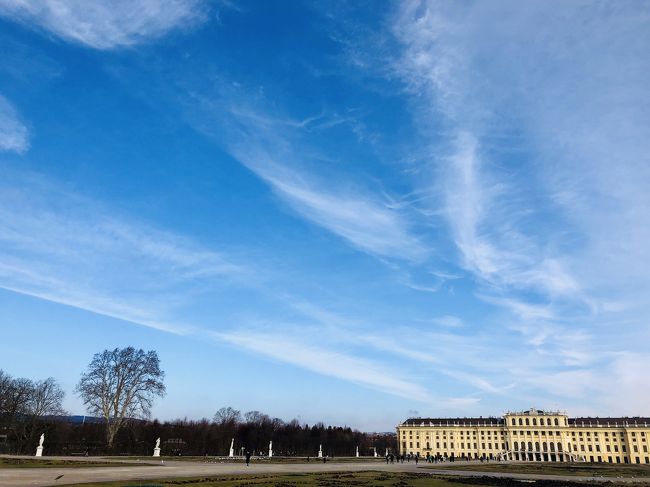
[606, 433]
[461, 433]
[530, 446]
[555, 422]
[536, 433]
[504, 446]
[452, 434]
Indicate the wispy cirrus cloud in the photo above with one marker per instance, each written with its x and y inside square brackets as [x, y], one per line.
[66, 248]
[365, 221]
[539, 176]
[417, 347]
[448, 321]
[13, 133]
[485, 231]
[273, 148]
[586, 160]
[333, 362]
[99, 25]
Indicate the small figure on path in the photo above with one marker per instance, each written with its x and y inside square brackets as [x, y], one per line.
[248, 458]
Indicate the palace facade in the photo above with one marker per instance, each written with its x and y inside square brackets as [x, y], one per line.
[534, 435]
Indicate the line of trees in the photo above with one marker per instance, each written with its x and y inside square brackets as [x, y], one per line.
[251, 432]
[24, 405]
[120, 385]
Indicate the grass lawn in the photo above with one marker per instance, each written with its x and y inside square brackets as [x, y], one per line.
[582, 469]
[50, 463]
[334, 479]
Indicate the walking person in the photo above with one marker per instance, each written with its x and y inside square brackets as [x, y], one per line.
[248, 458]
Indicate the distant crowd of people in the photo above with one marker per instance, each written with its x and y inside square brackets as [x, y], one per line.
[390, 458]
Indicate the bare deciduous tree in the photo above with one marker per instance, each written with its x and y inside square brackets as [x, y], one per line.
[121, 384]
[227, 415]
[24, 403]
[46, 399]
[256, 417]
[15, 395]
[5, 384]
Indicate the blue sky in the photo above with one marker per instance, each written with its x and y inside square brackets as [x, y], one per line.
[344, 211]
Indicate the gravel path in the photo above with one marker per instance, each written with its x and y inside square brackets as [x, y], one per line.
[38, 477]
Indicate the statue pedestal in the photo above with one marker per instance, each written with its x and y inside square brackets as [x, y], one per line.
[231, 453]
[320, 454]
[39, 451]
[156, 452]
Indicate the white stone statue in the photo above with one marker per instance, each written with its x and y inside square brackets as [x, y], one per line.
[357, 451]
[231, 453]
[156, 450]
[386, 452]
[320, 451]
[374, 449]
[270, 449]
[39, 448]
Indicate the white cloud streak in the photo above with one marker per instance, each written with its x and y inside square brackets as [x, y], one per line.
[327, 362]
[106, 25]
[268, 146]
[448, 321]
[544, 118]
[14, 136]
[364, 221]
[59, 246]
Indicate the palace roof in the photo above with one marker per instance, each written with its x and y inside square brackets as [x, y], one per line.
[604, 422]
[453, 422]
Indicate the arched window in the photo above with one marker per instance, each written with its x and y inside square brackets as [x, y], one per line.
[520, 423]
[552, 446]
[514, 422]
[516, 446]
[534, 422]
[537, 446]
[548, 421]
[527, 422]
[530, 446]
[544, 447]
[559, 446]
[557, 423]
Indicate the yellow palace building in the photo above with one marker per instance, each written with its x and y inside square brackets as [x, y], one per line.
[534, 435]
